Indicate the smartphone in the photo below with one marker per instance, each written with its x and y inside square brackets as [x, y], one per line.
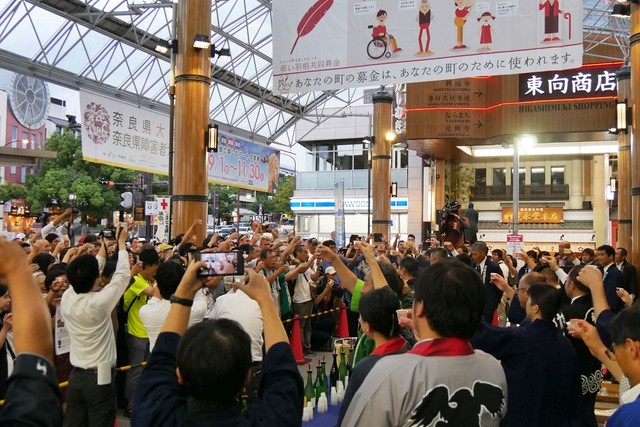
[353, 238]
[220, 263]
[377, 237]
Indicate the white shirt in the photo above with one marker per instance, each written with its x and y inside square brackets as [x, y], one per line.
[155, 312]
[52, 229]
[630, 395]
[239, 307]
[504, 268]
[87, 317]
[302, 290]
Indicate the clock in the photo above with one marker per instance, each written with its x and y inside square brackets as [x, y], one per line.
[29, 100]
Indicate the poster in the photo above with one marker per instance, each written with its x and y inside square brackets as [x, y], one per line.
[515, 244]
[61, 335]
[328, 45]
[338, 196]
[163, 219]
[120, 134]
[244, 164]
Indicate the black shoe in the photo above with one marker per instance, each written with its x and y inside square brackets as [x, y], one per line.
[127, 412]
[308, 352]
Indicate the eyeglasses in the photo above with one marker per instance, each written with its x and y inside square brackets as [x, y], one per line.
[525, 290]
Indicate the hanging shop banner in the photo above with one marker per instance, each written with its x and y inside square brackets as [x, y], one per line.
[244, 164]
[338, 196]
[163, 218]
[120, 134]
[327, 44]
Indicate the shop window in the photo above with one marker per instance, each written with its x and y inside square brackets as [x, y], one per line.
[499, 177]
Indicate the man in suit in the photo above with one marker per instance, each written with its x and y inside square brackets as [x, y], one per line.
[581, 307]
[485, 267]
[628, 270]
[611, 276]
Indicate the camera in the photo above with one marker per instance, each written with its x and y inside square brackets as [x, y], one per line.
[109, 233]
[220, 263]
[75, 211]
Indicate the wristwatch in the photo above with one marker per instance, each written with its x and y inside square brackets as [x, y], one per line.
[182, 301]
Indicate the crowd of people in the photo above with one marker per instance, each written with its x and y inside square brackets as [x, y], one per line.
[452, 333]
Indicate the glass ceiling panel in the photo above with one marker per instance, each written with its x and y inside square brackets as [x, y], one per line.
[108, 44]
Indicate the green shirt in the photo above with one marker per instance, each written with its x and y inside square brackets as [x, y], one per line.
[357, 294]
[134, 299]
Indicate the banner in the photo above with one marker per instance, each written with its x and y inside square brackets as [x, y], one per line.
[244, 164]
[338, 196]
[163, 218]
[328, 45]
[120, 134]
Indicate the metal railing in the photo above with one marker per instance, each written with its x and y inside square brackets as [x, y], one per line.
[527, 192]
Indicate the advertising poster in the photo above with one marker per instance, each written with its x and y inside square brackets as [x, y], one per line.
[244, 164]
[120, 134]
[328, 45]
[338, 196]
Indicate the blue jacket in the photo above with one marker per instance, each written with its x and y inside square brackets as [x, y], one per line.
[161, 401]
[626, 416]
[541, 367]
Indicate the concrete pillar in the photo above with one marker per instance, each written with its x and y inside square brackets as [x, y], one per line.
[193, 80]
[576, 188]
[599, 202]
[381, 165]
[634, 98]
[624, 168]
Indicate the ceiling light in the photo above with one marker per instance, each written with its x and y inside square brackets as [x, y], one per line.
[162, 47]
[201, 41]
[621, 10]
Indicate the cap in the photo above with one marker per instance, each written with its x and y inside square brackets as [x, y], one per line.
[330, 270]
[164, 247]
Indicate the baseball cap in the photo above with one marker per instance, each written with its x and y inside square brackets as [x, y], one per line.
[330, 270]
[164, 247]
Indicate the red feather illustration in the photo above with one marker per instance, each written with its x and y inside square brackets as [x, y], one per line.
[311, 19]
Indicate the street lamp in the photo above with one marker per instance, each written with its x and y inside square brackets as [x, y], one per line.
[522, 141]
[369, 142]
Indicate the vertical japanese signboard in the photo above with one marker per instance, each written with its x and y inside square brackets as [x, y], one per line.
[338, 196]
[120, 134]
[327, 44]
[164, 219]
[244, 164]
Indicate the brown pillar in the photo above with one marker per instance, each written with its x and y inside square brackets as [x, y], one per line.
[193, 79]
[624, 169]
[381, 164]
[634, 98]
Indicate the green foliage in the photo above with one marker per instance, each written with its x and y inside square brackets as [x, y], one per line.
[459, 181]
[10, 191]
[70, 174]
[227, 199]
[279, 203]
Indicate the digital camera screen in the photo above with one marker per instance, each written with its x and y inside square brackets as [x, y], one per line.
[221, 263]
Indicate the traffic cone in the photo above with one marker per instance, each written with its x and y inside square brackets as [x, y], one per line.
[295, 341]
[343, 325]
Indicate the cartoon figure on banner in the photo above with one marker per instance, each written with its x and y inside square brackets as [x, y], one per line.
[378, 46]
[551, 17]
[485, 31]
[424, 22]
[462, 10]
[274, 173]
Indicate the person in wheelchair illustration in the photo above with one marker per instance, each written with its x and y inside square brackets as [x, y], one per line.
[378, 46]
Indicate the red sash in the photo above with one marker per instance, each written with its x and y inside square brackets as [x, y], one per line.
[443, 347]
